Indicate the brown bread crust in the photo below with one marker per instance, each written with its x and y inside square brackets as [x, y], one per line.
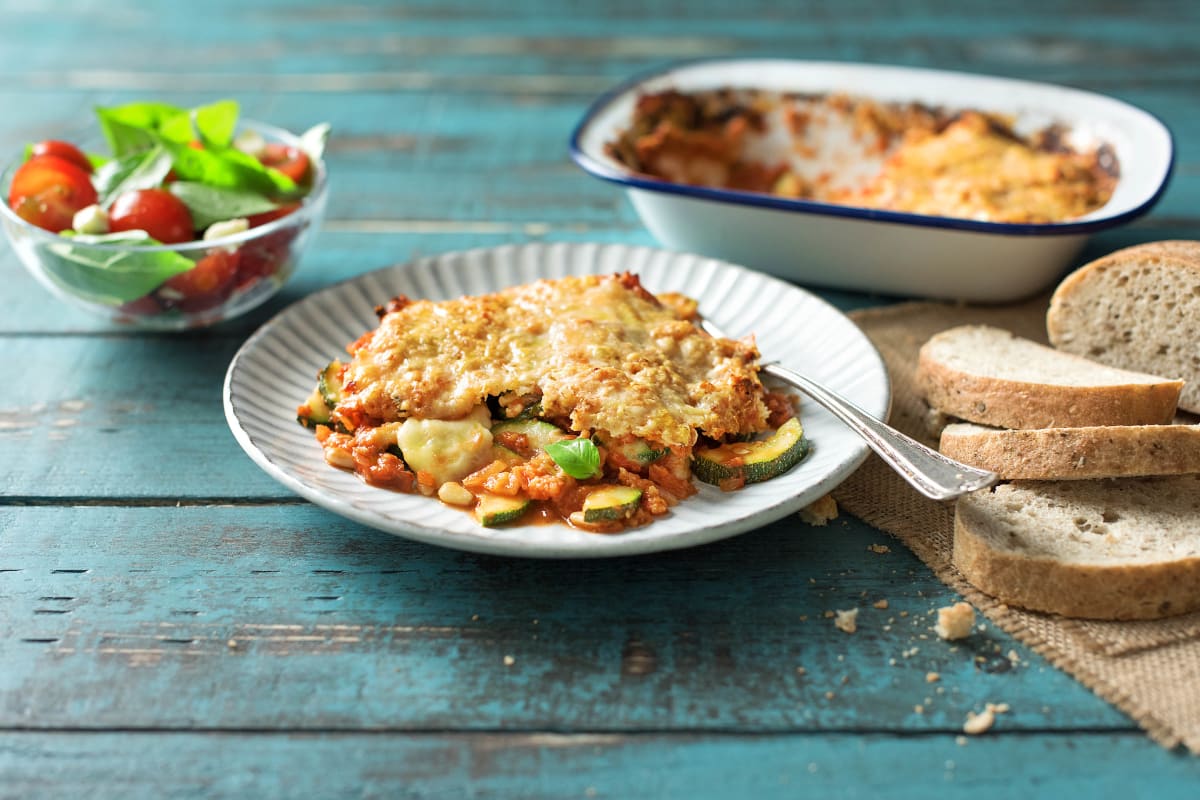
[1077, 453]
[1088, 591]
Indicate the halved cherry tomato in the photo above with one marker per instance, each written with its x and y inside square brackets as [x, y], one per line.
[291, 161]
[204, 286]
[47, 191]
[64, 150]
[155, 211]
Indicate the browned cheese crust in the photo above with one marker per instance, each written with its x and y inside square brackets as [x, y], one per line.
[1077, 453]
[600, 351]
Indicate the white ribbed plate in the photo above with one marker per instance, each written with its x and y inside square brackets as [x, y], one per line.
[275, 370]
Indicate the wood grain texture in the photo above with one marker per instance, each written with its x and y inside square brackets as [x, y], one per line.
[362, 665]
[152, 766]
[123, 618]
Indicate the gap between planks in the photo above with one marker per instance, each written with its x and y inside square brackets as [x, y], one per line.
[574, 738]
[150, 502]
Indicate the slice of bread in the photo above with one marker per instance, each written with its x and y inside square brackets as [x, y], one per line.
[1120, 549]
[1137, 308]
[1115, 451]
[990, 376]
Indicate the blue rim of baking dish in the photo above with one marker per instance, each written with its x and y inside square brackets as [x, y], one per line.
[622, 177]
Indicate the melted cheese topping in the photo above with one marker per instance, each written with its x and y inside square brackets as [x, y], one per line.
[975, 171]
[599, 350]
[970, 165]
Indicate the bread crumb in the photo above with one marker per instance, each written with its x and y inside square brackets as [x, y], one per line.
[910, 652]
[828, 615]
[904, 613]
[979, 723]
[801, 671]
[982, 722]
[961, 741]
[932, 677]
[955, 622]
[509, 661]
[820, 511]
[231, 644]
[847, 620]
[919, 709]
[879, 548]
[829, 695]
[881, 604]
[1014, 657]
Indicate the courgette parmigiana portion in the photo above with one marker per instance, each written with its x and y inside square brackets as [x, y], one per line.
[752, 461]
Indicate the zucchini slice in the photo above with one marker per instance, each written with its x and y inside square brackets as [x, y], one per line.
[318, 411]
[502, 453]
[639, 451]
[754, 461]
[610, 503]
[329, 383]
[537, 432]
[496, 509]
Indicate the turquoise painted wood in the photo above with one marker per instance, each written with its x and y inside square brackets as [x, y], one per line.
[549, 766]
[175, 624]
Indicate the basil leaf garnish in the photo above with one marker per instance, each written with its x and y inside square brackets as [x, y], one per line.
[134, 127]
[228, 169]
[145, 170]
[210, 204]
[313, 140]
[212, 125]
[579, 458]
[111, 277]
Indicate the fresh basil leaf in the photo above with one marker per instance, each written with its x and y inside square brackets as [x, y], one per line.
[228, 169]
[109, 277]
[145, 170]
[579, 458]
[210, 204]
[134, 127]
[313, 141]
[213, 124]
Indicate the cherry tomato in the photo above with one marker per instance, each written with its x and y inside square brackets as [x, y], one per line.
[270, 216]
[155, 211]
[47, 191]
[291, 161]
[64, 150]
[263, 256]
[142, 307]
[204, 286]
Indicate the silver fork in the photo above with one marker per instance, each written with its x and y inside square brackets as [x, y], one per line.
[928, 471]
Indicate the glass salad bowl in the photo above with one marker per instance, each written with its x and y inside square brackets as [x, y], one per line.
[132, 279]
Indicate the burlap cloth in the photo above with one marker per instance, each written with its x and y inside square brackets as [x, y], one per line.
[1149, 670]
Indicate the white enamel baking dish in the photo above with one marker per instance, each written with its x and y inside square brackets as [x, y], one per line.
[821, 244]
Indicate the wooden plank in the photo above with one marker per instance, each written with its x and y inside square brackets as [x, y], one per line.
[432, 42]
[553, 765]
[26, 308]
[124, 618]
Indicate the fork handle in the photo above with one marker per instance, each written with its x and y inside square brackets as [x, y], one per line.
[928, 471]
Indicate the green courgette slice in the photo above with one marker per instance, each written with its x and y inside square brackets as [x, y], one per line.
[754, 461]
[329, 383]
[495, 509]
[610, 503]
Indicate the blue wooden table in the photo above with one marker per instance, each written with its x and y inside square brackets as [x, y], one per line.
[175, 624]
